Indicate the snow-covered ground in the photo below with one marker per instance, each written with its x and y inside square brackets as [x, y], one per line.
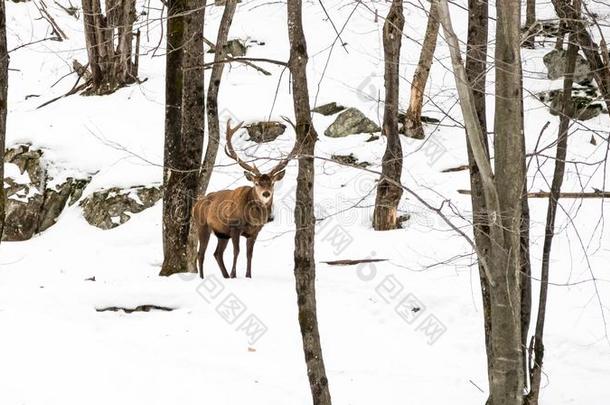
[55, 348]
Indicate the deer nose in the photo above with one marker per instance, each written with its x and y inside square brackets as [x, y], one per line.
[266, 194]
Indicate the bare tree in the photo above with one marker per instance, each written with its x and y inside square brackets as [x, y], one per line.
[109, 39]
[205, 173]
[530, 21]
[413, 124]
[3, 103]
[502, 193]
[388, 195]
[558, 174]
[304, 261]
[184, 127]
[476, 72]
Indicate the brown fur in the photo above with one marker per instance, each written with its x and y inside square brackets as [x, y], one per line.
[234, 213]
[230, 214]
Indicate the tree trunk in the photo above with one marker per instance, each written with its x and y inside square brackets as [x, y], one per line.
[109, 44]
[591, 50]
[413, 124]
[205, 172]
[304, 261]
[476, 71]
[560, 156]
[3, 103]
[184, 128]
[502, 195]
[530, 20]
[507, 380]
[388, 194]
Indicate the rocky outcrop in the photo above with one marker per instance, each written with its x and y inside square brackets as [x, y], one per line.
[265, 131]
[555, 62]
[112, 207]
[587, 103]
[33, 199]
[349, 122]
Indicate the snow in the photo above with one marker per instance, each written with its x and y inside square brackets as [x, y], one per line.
[56, 348]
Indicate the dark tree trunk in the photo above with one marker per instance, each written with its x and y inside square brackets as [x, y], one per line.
[591, 50]
[530, 20]
[304, 262]
[184, 128]
[3, 103]
[109, 41]
[413, 124]
[388, 194]
[209, 160]
[560, 156]
[476, 71]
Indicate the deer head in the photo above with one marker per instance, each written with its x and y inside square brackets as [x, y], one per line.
[263, 183]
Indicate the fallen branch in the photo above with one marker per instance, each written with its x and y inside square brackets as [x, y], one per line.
[455, 169]
[350, 262]
[546, 194]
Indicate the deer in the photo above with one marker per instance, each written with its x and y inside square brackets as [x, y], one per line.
[243, 211]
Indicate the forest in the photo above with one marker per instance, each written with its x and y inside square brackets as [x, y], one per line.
[304, 202]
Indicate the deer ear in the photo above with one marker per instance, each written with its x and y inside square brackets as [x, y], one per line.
[279, 175]
[249, 176]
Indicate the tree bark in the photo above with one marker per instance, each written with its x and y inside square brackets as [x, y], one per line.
[388, 195]
[413, 124]
[558, 174]
[502, 194]
[591, 50]
[4, 59]
[530, 20]
[476, 71]
[304, 261]
[205, 172]
[509, 145]
[110, 61]
[184, 128]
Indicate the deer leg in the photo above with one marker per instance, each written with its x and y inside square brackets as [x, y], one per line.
[204, 238]
[235, 240]
[249, 250]
[218, 254]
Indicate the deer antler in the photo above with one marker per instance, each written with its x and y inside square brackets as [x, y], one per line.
[231, 152]
[284, 162]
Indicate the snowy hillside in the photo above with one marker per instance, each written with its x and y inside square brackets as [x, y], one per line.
[55, 348]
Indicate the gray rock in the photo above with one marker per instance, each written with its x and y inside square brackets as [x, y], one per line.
[33, 206]
[349, 160]
[555, 62]
[587, 102]
[349, 122]
[328, 109]
[265, 131]
[109, 208]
